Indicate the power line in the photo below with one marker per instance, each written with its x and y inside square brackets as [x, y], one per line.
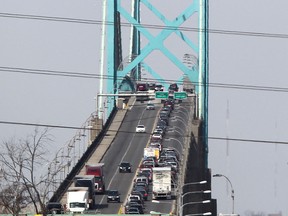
[109, 77]
[99, 22]
[80, 128]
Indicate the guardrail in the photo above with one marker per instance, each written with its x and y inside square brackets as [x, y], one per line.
[79, 165]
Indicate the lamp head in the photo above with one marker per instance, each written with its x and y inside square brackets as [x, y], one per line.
[217, 175]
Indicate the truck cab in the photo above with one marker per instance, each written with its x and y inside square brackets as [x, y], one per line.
[97, 170]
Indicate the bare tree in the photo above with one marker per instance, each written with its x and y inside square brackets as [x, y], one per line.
[24, 179]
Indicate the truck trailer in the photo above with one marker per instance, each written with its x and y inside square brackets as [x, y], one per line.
[97, 170]
[78, 199]
[161, 184]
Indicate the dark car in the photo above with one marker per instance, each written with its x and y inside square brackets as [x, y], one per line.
[133, 210]
[113, 196]
[162, 123]
[148, 173]
[139, 202]
[137, 193]
[164, 118]
[169, 104]
[142, 191]
[166, 110]
[135, 205]
[54, 208]
[125, 167]
[142, 184]
[173, 88]
[159, 87]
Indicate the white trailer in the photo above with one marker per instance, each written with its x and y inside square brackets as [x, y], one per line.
[151, 152]
[78, 199]
[161, 184]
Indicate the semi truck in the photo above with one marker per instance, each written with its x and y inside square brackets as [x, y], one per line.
[97, 170]
[161, 184]
[78, 199]
[89, 182]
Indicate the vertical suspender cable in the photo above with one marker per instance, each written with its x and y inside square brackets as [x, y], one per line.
[102, 56]
[132, 30]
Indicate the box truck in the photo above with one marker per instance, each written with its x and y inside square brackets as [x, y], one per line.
[78, 199]
[161, 184]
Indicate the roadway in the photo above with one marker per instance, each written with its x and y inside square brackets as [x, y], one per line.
[129, 146]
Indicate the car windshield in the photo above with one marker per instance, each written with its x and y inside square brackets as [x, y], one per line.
[77, 205]
[113, 193]
[54, 205]
[140, 126]
[126, 164]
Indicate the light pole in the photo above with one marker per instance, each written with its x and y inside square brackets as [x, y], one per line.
[178, 118]
[232, 190]
[193, 192]
[203, 214]
[177, 140]
[177, 129]
[192, 203]
[181, 197]
[194, 183]
[180, 110]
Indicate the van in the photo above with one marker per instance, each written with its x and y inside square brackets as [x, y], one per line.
[132, 198]
[142, 179]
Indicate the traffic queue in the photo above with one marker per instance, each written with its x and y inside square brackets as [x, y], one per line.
[157, 174]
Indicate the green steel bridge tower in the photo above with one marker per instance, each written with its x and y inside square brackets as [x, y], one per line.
[124, 73]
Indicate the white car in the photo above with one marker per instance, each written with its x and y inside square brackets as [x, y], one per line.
[150, 106]
[140, 129]
[157, 136]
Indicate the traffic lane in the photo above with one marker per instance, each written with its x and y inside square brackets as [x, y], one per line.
[137, 150]
[114, 156]
[173, 138]
[120, 181]
[160, 205]
[121, 143]
[163, 205]
[131, 151]
[126, 137]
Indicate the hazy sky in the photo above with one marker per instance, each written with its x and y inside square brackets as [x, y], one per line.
[257, 170]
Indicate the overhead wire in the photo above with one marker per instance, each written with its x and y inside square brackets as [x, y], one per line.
[151, 26]
[109, 77]
[91, 129]
[86, 75]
